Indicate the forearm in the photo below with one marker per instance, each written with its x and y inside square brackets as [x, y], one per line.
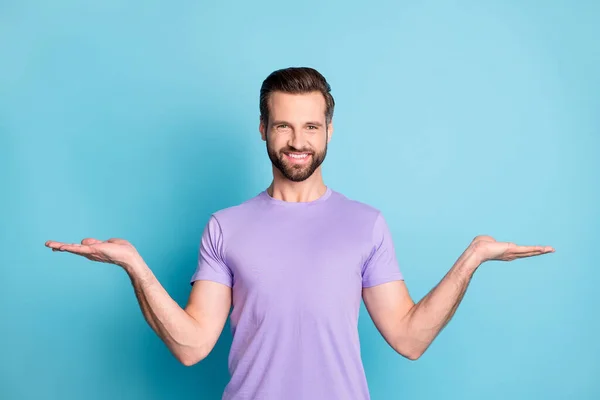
[177, 329]
[430, 315]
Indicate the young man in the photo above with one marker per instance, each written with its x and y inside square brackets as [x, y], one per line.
[295, 262]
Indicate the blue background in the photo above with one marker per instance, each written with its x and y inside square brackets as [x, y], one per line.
[137, 119]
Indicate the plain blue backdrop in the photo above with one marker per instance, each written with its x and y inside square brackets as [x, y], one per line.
[137, 119]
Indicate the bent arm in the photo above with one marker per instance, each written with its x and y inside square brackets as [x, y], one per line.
[190, 333]
[410, 328]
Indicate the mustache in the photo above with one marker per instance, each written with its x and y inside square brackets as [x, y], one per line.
[294, 150]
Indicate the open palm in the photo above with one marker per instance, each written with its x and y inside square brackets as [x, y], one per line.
[112, 251]
[487, 248]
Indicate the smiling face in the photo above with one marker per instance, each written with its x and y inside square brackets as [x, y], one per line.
[297, 133]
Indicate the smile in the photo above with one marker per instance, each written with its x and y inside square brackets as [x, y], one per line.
[297, 157]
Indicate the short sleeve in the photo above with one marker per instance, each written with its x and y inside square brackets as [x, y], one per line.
[382, 265]
[211, 261]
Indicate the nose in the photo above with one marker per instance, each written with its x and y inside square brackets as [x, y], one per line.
[297, 140]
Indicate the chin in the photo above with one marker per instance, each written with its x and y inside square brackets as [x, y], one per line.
[297, 175]
[297, 178]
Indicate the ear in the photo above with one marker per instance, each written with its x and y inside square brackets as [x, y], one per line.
[262, 129]
[329, 131]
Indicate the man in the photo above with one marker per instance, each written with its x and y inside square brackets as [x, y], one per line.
[295, 261]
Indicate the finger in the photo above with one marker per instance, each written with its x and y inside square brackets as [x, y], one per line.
[54, 245]
[89, 241]
[76, 249]
[529, 249]
[116, 240]
[531, 253]
[525, 249]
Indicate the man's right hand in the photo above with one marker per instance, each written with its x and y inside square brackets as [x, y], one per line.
[113, 251]
[190, 333]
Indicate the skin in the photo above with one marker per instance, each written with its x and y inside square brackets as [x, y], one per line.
[297, 124]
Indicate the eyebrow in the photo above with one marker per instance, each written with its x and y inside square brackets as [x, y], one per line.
[307, 123]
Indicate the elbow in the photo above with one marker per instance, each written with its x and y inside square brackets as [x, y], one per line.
[191, 358]
[188, 362]
[410, 352]
[413, 355]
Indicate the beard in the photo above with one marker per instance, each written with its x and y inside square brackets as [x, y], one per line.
[296, 173]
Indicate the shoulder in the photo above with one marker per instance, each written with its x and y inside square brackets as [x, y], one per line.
[236, 214]
[357, 213]
[355, 206]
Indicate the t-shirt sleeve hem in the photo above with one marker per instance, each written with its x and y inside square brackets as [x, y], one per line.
[378, 281]
[213, 278]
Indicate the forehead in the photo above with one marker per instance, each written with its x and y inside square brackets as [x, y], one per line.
[297, 107]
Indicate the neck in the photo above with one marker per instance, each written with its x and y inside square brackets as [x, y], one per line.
[308, 190]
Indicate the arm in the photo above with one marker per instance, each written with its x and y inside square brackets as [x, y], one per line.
[410, 328]
[189, 333]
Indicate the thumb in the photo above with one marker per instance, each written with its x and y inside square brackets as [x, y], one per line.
[89, 241]
[117, 241]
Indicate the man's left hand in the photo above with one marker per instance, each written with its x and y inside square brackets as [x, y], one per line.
[486, 248]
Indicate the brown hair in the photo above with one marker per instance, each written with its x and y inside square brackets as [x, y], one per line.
[295, 80]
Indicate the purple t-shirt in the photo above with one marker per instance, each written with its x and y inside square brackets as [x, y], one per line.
[296, 270]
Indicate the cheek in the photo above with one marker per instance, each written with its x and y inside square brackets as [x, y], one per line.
[319, 142]
[275, 142]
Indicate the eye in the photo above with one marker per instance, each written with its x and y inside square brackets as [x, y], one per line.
[312, 127]
[281, 126]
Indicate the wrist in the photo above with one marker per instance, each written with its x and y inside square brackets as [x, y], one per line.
[471, 260]
[478, 252]
[135, 267]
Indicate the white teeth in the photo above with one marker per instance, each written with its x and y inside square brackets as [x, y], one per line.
[299, 156]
